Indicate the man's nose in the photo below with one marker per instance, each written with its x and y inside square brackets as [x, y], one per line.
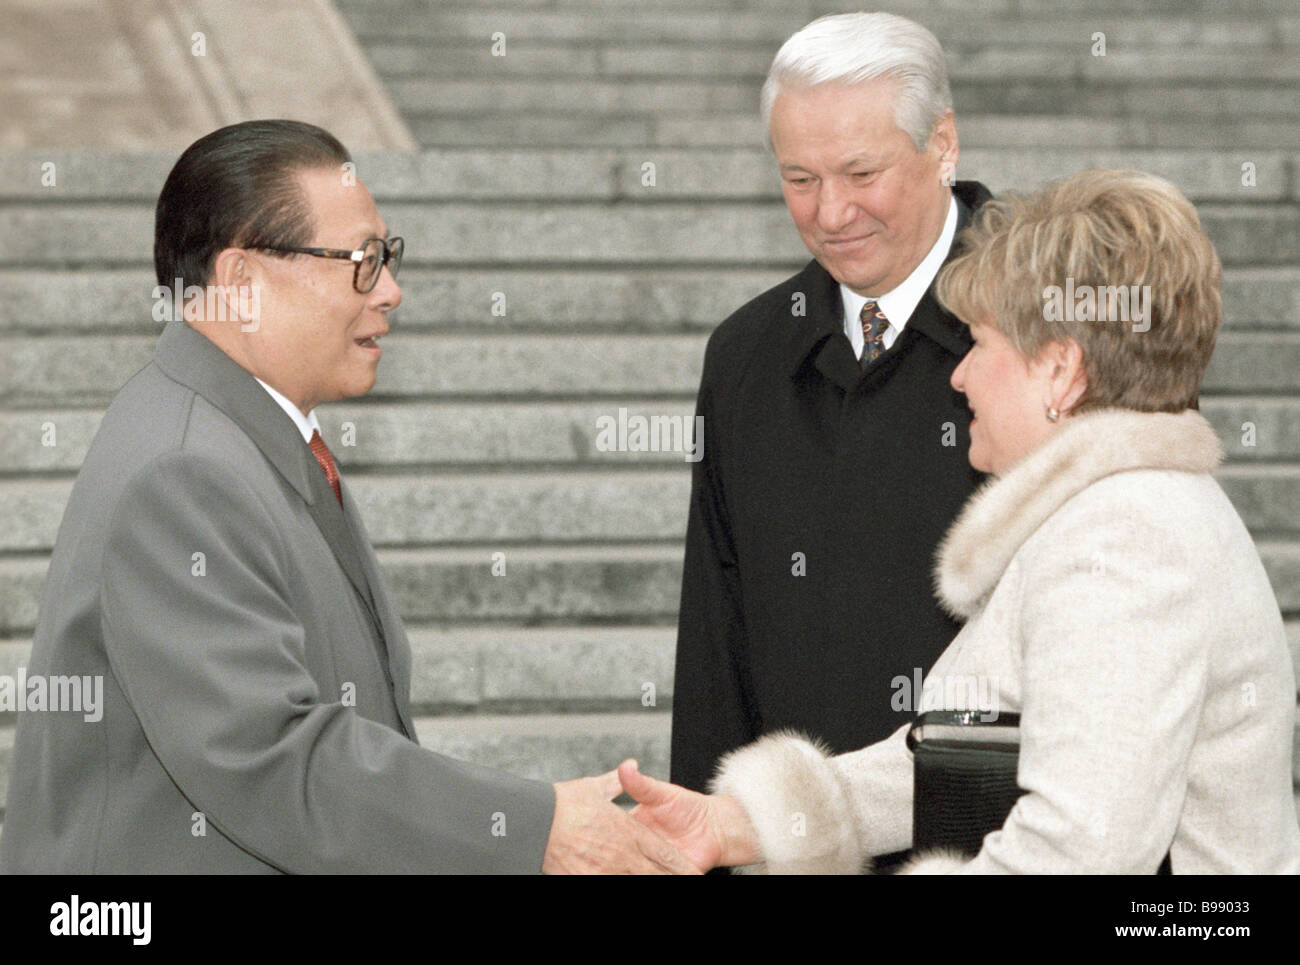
[386, 295]
[836, 208]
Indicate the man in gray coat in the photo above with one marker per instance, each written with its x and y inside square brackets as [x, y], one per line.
[212, 574]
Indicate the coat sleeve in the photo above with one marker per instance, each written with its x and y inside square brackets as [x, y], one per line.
[213, 665]
[818, 814]
[1114, 674]
[711, 707]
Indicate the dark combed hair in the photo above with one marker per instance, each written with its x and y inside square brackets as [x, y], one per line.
[236, 187]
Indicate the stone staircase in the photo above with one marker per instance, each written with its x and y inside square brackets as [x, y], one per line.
[547, 286]
[687, 72]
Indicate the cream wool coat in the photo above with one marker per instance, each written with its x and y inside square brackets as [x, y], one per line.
[1115, 600]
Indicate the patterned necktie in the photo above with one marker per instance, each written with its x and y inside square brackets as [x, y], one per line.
[874, 324]
[326, 460]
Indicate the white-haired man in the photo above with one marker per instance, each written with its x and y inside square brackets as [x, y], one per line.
[836, 458]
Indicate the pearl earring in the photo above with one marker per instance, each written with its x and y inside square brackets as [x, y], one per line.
[1053, 413]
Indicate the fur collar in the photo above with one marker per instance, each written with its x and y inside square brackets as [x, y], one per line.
[1007, 510]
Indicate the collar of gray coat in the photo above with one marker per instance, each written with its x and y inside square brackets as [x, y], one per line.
[187, 356]
[1007, 510]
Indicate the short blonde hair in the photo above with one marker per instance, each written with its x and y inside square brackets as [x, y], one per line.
[1097, 231]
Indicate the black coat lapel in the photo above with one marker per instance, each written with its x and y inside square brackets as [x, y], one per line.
[819, 337]
[930, 318]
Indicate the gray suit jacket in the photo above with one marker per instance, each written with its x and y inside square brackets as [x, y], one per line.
[255, 674]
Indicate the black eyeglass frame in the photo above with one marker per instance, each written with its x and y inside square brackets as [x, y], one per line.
[393, 249]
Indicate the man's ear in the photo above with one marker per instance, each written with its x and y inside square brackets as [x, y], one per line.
[943, 140]
[237, 280]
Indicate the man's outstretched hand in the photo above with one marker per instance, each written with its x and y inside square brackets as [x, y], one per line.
[592, 835]
[709, 830]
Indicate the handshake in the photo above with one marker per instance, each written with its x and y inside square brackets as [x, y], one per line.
[670, 831]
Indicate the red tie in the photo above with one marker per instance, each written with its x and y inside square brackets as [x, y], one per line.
[326, 460]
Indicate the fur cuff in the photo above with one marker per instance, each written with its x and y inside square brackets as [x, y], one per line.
[941, 861]
[798, 806]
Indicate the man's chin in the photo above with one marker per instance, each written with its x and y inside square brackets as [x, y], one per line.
[359, 384]
[859, 278]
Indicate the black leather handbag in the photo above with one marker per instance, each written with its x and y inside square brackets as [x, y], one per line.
[964, 784]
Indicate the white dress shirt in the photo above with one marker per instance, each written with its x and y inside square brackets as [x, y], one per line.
[899, 304]
[307, 424]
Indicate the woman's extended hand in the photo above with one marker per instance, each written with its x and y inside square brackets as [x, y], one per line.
[709, 830]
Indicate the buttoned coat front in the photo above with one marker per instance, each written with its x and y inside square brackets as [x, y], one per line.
[815, 511]
[256, 705]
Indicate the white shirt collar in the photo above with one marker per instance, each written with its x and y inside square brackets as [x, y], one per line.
[307, 424]
[899, 304]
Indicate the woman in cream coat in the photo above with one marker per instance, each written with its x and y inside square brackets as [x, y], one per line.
[1112, 596]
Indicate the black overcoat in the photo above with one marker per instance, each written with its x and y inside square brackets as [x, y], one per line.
[822, 494]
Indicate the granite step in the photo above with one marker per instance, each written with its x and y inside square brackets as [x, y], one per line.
[609, 175]
[1097, 91]
[542, 585]
[583, 507]
[628, 299]
[380, 21]
[669, 233]
[431, 436]
[500, 669]
[545, 61]
[62, 371]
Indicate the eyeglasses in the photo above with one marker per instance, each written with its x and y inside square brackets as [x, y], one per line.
[369, 259]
